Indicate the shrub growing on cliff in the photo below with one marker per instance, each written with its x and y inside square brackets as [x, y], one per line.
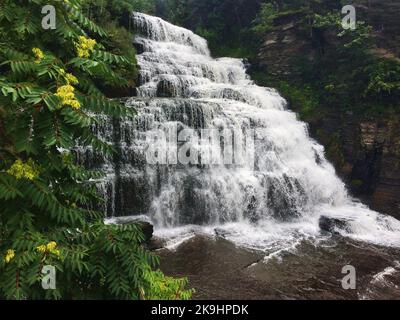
[361, 74]
[384, 77]
[49, 101]
[264, 21]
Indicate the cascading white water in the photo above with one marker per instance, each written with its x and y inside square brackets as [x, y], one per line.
[272, 202]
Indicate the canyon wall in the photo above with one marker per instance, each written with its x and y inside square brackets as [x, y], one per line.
[365, 148]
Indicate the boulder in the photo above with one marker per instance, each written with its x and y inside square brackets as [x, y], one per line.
[139, 47]
[220, 232]
[155, 244]
[166, 89]
[142, 221]
[332, 224]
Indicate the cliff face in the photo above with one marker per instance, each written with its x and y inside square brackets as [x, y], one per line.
[366, 154]
[284, 45]
[364, 149]
[383, 16]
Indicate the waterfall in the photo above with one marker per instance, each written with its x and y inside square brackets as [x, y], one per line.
[275, 194]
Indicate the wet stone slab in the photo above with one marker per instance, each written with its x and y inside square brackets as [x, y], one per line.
[218, 269]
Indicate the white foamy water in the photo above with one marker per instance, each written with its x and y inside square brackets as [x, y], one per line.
[271, 202]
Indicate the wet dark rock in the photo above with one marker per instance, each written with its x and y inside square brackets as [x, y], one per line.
[146, 226]
[147, 229]
[139, 47]
[246, 63]
[218, 269]
[166, 89]
[220, 232]
[366, 156]
[330, 224]
[155, 243]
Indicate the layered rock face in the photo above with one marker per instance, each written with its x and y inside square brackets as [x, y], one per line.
[292, 41]
[370, 160]
[365, 150]
[283, 45]
[383, 15]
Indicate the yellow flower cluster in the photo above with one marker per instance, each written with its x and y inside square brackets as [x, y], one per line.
[69, 77]
[85, 47]
[42, 248]
[67, 96]
[50, 247]
[39, 55]
[22, 170]
[10, 254]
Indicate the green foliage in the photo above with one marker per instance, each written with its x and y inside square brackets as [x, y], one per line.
[175, 11]
[384, 77]
[302, 99]
[264, 21]
[49, 100]
[225, 24]
[353, 41]
[359, 76]
[97, 9]
[345, 71]
[115, 17]
[161, 287]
